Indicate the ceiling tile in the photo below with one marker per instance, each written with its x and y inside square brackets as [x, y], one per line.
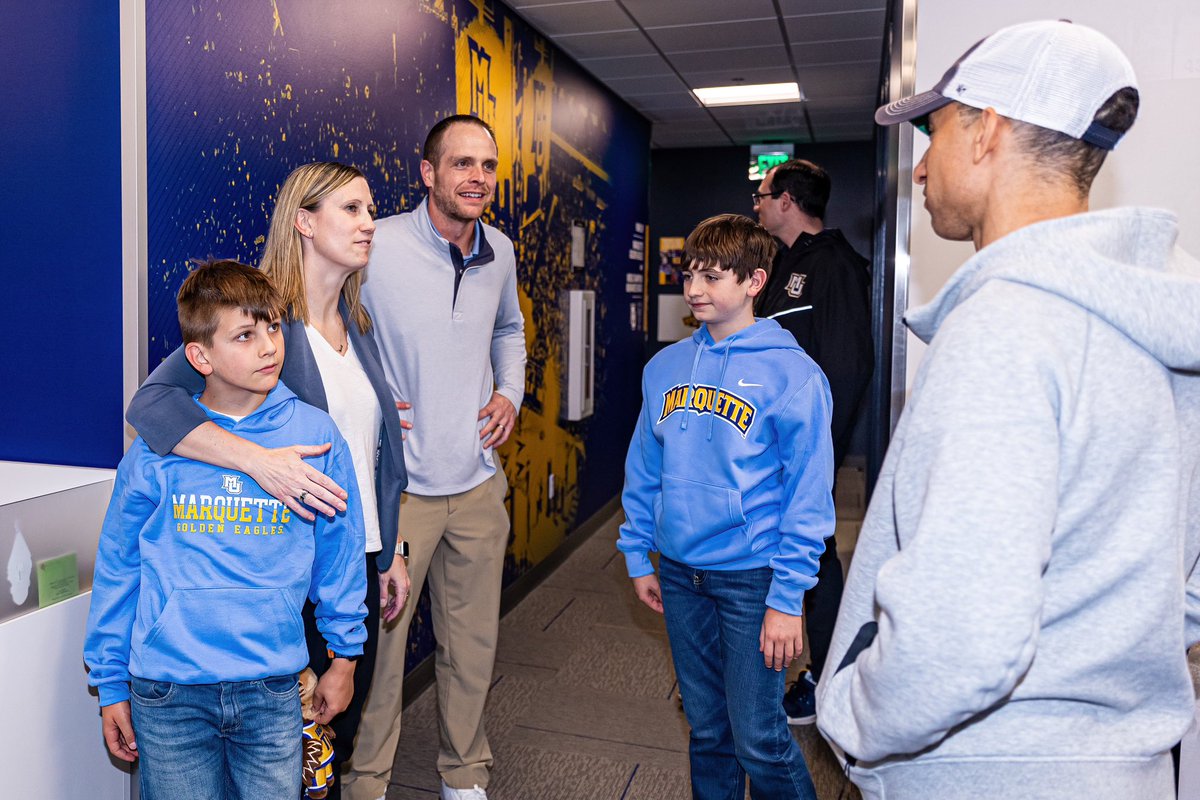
[522, 5]
[775, 114]
[695, 114]
[849, 103]
[835, 27]
[704, 125]
[649, 103]
[582, 17]
[669, 136]
[582, 46]
[648, 84]
[792, 8]
[837, 73]
[836, 46]
[839, 80]
[657, 13]
[866, 49]
[717, 36]
[626, 66]
[862, 116]
[725, 77]
[730, 60]
[846, 133]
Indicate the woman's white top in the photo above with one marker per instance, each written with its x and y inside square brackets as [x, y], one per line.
[355, 409]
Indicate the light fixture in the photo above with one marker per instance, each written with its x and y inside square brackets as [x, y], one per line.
[752, 95]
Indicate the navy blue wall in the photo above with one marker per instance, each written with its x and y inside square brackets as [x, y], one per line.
[61, 248]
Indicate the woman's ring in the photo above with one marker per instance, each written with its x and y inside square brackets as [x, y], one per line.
[302, 496]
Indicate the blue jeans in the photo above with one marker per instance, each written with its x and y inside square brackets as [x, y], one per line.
[732, 700]
[221, 740]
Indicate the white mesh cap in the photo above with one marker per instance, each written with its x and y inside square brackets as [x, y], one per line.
[1053, 74]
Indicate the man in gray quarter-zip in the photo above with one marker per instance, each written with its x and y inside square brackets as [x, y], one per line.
[1023, 591]
[442, 292]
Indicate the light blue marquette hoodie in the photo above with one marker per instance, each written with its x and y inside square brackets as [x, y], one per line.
[731, 462]
[1028, 559]
[201, 575]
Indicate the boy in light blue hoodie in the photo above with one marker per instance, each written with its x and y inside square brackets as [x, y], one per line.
[194, 638]
[729, 476]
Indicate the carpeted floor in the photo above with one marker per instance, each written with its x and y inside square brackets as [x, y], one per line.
[583, 701]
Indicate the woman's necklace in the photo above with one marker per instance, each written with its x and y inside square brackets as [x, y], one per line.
[345, 338]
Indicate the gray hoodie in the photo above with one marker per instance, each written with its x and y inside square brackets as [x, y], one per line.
[1028, 556]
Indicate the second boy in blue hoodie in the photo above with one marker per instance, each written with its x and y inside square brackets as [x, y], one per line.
[729, 476]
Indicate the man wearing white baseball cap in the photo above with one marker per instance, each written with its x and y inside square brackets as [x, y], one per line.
[1023, 591]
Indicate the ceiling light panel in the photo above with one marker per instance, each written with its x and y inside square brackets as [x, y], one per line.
[747, 95]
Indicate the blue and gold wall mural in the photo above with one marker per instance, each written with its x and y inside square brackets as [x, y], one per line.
[238, 94]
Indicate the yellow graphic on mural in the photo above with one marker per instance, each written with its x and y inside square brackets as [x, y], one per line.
[542, 459]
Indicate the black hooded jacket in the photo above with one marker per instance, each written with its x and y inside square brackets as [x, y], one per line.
[819, 290]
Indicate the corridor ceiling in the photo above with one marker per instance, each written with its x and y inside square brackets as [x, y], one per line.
[653, 53]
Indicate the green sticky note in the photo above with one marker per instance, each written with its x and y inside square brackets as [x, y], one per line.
[58, 580]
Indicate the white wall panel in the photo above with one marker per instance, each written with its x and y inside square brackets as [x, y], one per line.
[1158, 162]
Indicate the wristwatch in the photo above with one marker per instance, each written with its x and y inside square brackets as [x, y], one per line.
[402, 550]
[332, 655]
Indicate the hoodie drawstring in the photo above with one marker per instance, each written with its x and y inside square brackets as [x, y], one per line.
[691, 387]
[712, 415]
[692, 390]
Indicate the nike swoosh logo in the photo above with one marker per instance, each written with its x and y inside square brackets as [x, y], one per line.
[743, 383]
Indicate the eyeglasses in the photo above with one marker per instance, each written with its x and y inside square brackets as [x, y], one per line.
[756, 197]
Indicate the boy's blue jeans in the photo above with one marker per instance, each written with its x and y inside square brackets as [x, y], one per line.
[220, 740]
[732, 700]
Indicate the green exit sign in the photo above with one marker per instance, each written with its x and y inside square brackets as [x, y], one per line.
[765, 157]
[768, 160]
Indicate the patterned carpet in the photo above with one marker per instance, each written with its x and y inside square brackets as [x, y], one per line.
[583, 701]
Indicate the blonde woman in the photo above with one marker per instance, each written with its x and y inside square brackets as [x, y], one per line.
[317, 247]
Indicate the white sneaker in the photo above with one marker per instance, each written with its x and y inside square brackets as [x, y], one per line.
[476, 792]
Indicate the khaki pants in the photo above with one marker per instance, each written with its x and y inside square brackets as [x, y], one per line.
[458, 542]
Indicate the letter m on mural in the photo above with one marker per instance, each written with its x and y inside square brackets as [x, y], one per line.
[483, 102]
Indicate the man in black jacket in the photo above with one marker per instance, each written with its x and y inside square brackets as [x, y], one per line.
[819, 290]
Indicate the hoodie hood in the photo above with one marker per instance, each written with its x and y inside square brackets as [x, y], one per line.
[1122, 265]
[763, 335]
[273, 414]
